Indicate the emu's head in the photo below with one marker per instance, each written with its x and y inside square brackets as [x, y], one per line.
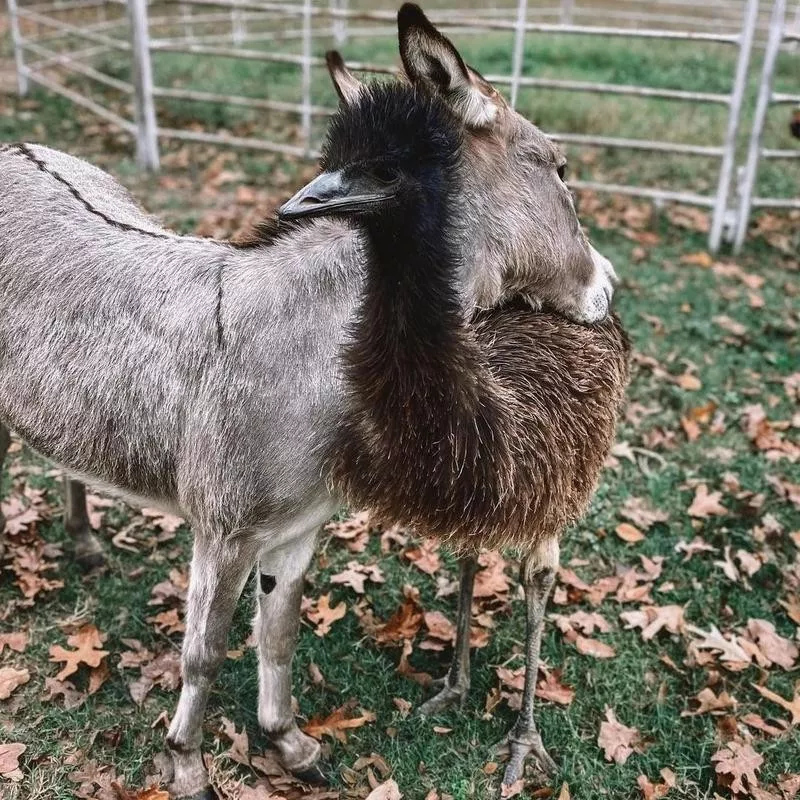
[391, 156]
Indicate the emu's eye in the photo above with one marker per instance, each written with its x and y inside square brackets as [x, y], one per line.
[562, 171]
[385, 173]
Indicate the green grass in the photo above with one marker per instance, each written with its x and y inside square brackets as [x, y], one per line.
[644, 692]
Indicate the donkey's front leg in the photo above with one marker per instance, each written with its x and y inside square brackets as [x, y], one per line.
[220, 566]
[88, 551]
[280, 591]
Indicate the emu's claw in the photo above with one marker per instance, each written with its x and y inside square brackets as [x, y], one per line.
[444, 699]
[520, 746]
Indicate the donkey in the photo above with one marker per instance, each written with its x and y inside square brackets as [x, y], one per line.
[210, 380]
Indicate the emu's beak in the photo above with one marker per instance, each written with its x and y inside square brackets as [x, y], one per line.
[336, 193]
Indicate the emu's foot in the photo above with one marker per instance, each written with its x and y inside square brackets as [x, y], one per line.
[447, 697]
[88, 551]
[520, 746]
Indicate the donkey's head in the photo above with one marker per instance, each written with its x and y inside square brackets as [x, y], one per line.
[523, 235]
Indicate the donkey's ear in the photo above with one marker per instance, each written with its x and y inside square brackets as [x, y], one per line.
[430, 60]
[347, 86]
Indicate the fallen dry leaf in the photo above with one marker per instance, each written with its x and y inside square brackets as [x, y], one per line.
[9, 760]
[323, 615]
[87, 641]
[356, 575]
[11, 679]
[551, 688]
[653, 619]
[709, 703]
[16, 641]
[426, 556]
[337, 722]
[736, 765]
[792, 706]
[706, 504]
[389, 790]
[654, 791]
[774, 647]
[629, 533]
[639, 511]
[593, 647]
[617, 741]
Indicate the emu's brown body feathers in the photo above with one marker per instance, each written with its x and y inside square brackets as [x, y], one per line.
[524, 449]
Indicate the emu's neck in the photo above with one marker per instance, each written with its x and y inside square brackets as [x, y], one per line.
[413, 300]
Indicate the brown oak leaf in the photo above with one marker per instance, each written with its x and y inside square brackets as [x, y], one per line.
[9, 760]
[88, 642]
[617, 741]
[337, 722]
[11, 679]
[706, 504]
[736, 765]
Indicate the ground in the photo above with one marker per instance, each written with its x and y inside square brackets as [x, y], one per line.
[672, 636]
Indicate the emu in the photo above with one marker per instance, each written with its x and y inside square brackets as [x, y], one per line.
[488, 434]
[231, 385]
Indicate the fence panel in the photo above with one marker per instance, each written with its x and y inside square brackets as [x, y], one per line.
[65, 40]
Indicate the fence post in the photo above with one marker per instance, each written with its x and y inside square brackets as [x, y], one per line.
[144, 107]
[16, 37]
[721, 216]
[519, 50]
[567, 7]
[305, 126]
[339, 22]
[776, 23]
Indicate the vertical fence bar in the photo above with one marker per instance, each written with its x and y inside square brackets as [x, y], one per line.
[305, 125]
[567, 9]
[16, 38]
[144, 107]
[728, 164]
[750, 173]
[519, 50]
[238, 26]
[339, 23]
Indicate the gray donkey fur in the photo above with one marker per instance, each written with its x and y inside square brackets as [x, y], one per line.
[205, 378]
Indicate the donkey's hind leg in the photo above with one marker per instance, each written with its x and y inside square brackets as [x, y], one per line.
[5, 443]
[88, 551]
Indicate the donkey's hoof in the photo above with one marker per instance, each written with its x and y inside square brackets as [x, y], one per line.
[312, 775]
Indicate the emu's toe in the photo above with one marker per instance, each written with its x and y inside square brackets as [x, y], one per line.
[449, 696]
[519, 748]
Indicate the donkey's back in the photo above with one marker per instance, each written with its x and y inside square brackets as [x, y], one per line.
[104, 318]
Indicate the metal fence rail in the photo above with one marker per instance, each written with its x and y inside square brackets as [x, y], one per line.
[68, 36]
[779, 32]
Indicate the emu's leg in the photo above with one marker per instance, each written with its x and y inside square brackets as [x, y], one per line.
[220, 566]
[538, 574]
[88, 551]
[280, 590]
[456, 683]
[5, 443]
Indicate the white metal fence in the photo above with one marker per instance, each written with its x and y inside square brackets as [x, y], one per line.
[59, 38]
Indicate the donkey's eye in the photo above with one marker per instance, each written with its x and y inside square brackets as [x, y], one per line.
[562, 172]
